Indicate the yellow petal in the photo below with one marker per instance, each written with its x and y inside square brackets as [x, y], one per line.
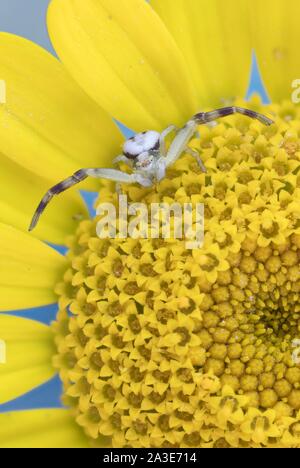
[276, 35]
[48, 124]
[21, 191]
[29, 270]
[122, 55]
[214, 38]
[26, 349]
[45, 428]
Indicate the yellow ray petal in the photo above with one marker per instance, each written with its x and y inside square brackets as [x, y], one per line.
[45, 428]
[122, 55]
[48, 124]
[21, 191]
[214, 38]
[26, 349]
[29, 270]
[276, 37]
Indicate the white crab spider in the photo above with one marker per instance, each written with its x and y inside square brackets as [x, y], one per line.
[146, 154]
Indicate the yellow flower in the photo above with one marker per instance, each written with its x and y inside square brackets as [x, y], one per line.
[155, 345]
[209, 261]
[260, 426]
[268, 227]
[227, 408]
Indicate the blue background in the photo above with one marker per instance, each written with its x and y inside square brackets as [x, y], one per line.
[27, 18]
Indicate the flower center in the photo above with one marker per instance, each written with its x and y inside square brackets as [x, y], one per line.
[270, 229]
[160, 346]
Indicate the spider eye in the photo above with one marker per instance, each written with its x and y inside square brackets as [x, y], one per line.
[140, 143]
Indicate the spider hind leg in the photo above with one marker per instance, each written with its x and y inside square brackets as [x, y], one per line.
[196, 155]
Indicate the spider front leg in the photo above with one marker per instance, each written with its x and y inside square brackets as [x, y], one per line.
[180, 144]
[79, 176]
[206, 117]
[163, 136]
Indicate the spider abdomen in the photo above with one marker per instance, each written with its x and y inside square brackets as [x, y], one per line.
[141, 143]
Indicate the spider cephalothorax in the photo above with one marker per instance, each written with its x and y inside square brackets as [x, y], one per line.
[147, 155]
[142, 153]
